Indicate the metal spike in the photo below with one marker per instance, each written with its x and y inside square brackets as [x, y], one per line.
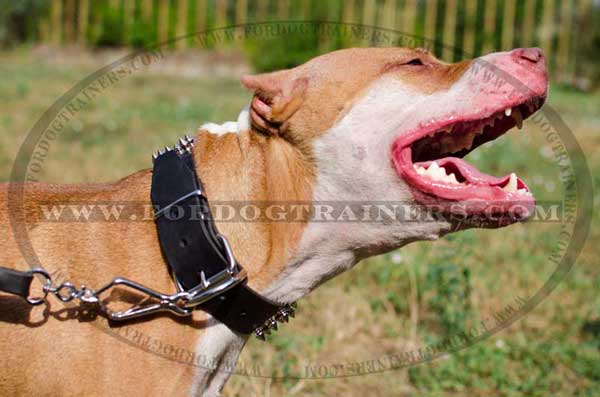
[154, 156]
[294, 305]
[160, 152]
[291, 313]
[272, 325]
[187, 138]
[260, 334]
[182, 142]
[283, 316]
[167, 148]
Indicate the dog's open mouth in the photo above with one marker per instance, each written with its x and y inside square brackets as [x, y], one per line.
[429, 160]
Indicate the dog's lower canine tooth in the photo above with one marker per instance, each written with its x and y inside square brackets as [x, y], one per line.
[511, 186]
[507, 111]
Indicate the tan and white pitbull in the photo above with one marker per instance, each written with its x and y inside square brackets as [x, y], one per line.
[352, 125]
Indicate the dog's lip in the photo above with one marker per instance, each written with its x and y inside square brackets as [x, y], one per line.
[427, 128]
[480, 192]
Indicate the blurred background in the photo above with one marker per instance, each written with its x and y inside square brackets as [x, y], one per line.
[420, 295]
[567, 30]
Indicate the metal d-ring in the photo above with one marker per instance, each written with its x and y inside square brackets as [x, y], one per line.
[47, 283]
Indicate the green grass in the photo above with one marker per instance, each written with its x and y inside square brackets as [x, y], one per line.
[369, 312]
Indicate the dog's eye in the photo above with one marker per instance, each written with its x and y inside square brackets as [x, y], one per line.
[415, 61]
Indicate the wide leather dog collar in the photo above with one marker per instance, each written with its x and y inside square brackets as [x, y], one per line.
[202, 264]
[198, 256]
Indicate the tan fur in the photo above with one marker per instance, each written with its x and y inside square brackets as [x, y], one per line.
[233, 167]
[66, 356]
[336, 79]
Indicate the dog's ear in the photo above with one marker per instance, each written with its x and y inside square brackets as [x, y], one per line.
[277, 96]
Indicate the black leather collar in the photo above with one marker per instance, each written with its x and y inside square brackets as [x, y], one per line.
[196, 252]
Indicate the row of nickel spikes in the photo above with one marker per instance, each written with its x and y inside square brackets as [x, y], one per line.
[184, 144]
[282, 315]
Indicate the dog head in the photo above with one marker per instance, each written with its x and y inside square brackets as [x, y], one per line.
[392, 125]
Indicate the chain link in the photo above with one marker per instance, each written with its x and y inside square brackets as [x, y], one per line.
[66, 292]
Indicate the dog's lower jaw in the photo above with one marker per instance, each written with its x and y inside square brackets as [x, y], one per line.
[327, 251]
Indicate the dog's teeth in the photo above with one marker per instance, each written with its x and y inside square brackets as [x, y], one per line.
[420, 170]
[467, 141]
[511, 186]
[452, 179]
[434, 169]
[507, 112]
[431, 171]
[437, 173]
[447, 144]
[518, 118]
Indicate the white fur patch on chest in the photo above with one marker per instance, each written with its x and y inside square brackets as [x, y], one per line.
[242, 124]
[217, 350]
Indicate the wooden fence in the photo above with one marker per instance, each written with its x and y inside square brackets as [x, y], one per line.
[475, 26]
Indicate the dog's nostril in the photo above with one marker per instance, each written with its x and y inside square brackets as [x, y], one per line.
[530, 54]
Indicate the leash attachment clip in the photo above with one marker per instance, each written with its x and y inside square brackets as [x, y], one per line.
[183, 302]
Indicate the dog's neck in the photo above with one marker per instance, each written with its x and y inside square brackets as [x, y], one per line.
[245, 171]
[284, 260]
[248, 169]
